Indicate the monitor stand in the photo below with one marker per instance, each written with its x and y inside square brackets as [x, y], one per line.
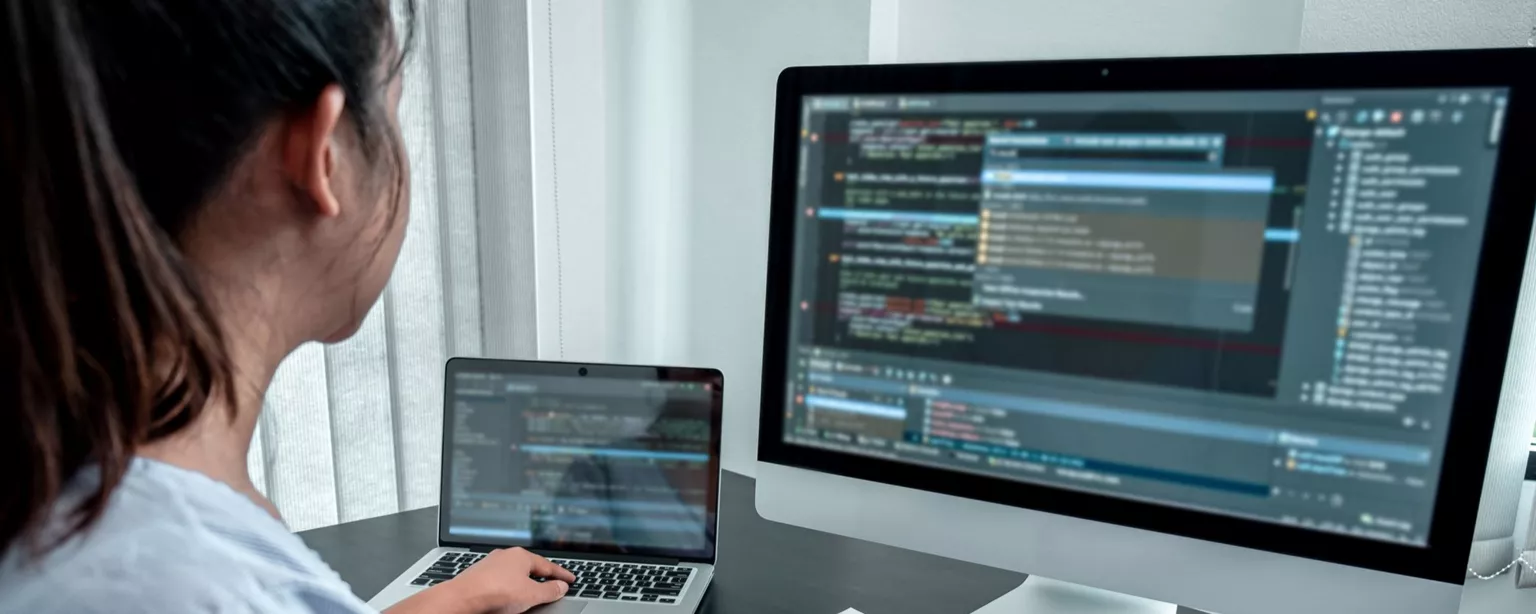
[1038, 595]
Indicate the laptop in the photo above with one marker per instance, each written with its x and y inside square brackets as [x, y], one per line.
[610, 471]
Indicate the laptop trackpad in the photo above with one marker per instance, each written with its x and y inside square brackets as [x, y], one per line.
[563, 606]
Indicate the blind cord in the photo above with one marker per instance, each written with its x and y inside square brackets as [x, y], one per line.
[554, 180]
[1519, 560]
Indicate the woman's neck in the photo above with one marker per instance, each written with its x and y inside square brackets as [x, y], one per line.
[217, 444]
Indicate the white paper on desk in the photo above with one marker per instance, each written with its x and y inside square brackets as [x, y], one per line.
[850, 611]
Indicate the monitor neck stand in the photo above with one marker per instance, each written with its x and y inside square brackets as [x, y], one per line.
[1038, 595]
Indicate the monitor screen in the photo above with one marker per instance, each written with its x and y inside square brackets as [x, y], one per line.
[1250, 303]
[585, 464]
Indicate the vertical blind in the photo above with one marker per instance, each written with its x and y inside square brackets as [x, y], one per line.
[352, 430]
[1493, 542]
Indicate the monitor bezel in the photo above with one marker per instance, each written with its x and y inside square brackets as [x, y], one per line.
[712, 377]
[1476, 397]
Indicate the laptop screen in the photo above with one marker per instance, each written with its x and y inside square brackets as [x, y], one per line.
[623, 460]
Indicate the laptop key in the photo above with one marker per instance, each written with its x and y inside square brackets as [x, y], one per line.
[647, 597]
[629, 598]
[610, 595]
[659, 592]
[420, 581]
[667, 600]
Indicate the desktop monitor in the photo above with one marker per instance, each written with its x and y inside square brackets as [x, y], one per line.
[1221, 332]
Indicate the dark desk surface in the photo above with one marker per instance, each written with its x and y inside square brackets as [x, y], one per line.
[763, 566]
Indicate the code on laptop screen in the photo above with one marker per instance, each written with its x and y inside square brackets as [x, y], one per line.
[581, 464]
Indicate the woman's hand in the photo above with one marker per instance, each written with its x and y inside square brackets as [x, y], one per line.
[502, 582]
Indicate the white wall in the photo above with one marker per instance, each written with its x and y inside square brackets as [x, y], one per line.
[570, 174]
[956, 30]
[740, 48]
[1362, 25]
[690, 100]
[951, 30]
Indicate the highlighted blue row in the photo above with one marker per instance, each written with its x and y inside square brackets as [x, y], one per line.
[1096, 140]
[1282, 235]
[1200, 182]
[1135, 471]
[617, 453]
[871, 215]
[490, 532]
[856, 407]
[596, 521]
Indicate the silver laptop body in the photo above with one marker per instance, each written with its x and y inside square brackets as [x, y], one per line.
[611, 471]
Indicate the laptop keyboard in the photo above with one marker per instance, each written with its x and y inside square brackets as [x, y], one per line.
[446, 567]
[636, 582]
[626, 581]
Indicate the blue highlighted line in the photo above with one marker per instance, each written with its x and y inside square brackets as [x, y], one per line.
[617, 453]
[1103, 141]
[490, 532]
[1204, 182]
[1282, 235]
[869, 215]
[856, 407]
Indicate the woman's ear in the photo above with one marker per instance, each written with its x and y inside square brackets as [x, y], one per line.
[309, 150]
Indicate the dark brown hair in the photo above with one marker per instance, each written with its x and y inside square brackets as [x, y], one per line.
[118, 120]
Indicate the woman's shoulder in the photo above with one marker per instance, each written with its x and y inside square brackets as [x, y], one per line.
[172, 540]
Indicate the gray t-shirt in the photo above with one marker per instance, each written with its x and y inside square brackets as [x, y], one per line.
[171, 541]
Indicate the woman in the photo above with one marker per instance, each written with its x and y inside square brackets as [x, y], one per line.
[189, 189]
